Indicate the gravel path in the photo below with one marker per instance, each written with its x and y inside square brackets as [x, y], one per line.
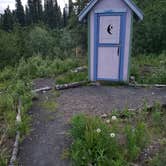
[49, 138]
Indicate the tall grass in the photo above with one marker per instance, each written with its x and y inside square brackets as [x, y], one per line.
[15, 83]
[150, 68]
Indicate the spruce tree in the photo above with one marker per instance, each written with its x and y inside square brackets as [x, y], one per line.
[31, 11]
[27, 16]
[7, 19]
[52, 13]
[20, 16]
[70, 8]
[57, 15]
[39, 10]
[64, 17]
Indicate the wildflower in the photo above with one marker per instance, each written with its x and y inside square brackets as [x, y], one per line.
[98, 130]
[114, 118]
[112, 135]
[108, 121]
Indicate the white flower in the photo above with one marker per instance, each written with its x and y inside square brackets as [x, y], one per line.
[112, 135]
[98, 130]
[108, 121]
[114, 118]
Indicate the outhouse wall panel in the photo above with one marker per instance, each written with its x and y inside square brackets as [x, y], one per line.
[115, 5]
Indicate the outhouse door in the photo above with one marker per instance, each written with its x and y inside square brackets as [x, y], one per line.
[109, 45]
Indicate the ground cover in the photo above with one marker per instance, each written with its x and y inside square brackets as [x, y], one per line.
[122, 138]
[149, 69]
[15, 83]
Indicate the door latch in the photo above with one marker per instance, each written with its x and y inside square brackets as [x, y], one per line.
[118, 51]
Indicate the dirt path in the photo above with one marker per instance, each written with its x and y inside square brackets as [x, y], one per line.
[49, 138]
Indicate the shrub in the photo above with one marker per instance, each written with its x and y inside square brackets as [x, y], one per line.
[39, 41]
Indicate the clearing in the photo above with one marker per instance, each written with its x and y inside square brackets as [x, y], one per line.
[49, 139]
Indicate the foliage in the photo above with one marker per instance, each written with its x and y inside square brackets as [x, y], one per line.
[150, 68]
[17, 83]
[39, 41]
[149, 35]
[92, 143]
[72, 77]
[20, 13]
[116, 140]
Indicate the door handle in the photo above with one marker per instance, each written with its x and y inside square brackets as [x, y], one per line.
[118, 51]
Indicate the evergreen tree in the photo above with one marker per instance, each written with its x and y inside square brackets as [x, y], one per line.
[30, 11]
[39, 10]
[64, 17]
[52, 13]
[57, 15]
[71, 8]
[79, 30]
[20, 16]
[37, 14]
[80, 4]
[7, 20]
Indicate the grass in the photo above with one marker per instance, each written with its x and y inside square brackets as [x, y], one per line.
[70, 77]
[17, 82]
[50, 106]
[119, 140]
[150, 69]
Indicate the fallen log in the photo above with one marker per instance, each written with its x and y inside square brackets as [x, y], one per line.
[47, 88]
[70, 85]
[148, 85]
[16, 144]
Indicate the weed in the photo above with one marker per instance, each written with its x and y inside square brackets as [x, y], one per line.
[66, 154]
[115, 141]
[50, 105]
[149, 69]
[72, 77]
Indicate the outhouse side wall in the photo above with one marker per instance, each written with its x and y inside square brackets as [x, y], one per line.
[104, 5]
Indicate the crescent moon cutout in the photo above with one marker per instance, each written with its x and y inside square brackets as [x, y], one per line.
[109, 29]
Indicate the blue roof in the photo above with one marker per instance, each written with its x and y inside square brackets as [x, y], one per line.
[129, 3]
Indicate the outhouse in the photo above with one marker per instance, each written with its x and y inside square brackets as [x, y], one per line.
[110, 35]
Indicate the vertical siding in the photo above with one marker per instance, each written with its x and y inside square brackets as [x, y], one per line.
[103, 5]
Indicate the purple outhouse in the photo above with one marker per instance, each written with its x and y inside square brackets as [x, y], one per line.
[110, 31]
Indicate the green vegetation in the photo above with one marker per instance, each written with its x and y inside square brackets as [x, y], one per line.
[118, 140]
[70, 77]
[50, 105]
[16, 82]
[41, 41]
[50, 33]
[149, 35]
[149, 69]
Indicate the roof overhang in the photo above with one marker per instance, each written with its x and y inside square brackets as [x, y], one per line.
[129, 3]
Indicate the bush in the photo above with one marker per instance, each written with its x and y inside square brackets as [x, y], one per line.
[10, 52]
[150, 68]
[39, 41]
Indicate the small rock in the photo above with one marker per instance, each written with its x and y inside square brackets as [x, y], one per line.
[132, 79]
[104, 116]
